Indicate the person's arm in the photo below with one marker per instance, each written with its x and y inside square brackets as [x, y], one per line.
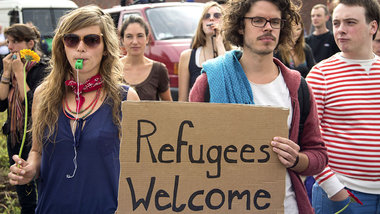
[164, 83]
[197, 93]
[6, 77]
[166, 95]
[288, 152]
[327, 179]
[184, 76]
[219, 45]
[18, 70]
[22, 172]
[132, 95]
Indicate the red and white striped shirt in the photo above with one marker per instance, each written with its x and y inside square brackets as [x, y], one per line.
[347, 94]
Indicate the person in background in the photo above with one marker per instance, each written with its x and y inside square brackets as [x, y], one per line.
[149, 78]
[12, 99]
[3, 46]
[208, 43]
[76, 119]
[321, 41]
[331, 4]
[298, 54]
[376, 44]
[254, 76]
[347, 91]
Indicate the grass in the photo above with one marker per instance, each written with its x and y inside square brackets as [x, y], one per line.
[8, 196]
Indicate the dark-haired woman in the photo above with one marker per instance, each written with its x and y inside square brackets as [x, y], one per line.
[149, 78]
[12, 98]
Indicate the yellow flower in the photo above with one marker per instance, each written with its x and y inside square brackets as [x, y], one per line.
[29, 55]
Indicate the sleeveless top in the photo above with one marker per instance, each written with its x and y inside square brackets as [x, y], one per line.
[92, 185]
[194, 70]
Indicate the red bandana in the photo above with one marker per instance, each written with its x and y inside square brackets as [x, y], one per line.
[91, 84]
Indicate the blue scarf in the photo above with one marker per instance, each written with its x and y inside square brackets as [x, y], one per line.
[227, 80]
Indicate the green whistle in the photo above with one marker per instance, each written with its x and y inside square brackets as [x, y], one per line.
[79, 64]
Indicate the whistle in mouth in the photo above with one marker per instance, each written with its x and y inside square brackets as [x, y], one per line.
[79, 64]
[14, 56]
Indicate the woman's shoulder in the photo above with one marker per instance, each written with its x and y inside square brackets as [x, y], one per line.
[185, 54]
[159, 66]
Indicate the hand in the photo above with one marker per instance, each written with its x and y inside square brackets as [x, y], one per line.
[21, 172]
[287, 151]
[18, 66]
[340, 196]
[7, 65]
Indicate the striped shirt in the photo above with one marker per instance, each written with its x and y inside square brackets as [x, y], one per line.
[347, 93]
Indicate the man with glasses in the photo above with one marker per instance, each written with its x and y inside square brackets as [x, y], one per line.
[254, 76]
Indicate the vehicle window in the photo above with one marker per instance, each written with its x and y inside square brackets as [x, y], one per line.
[174, 22]
[45, 19]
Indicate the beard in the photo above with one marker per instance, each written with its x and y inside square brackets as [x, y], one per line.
[265, 49]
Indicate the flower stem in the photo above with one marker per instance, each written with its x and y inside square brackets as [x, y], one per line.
[26, 113]
[344, 208]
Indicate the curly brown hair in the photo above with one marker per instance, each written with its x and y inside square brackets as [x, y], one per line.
[234, 19]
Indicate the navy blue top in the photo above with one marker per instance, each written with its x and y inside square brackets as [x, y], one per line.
[194, 70]
[94, 185]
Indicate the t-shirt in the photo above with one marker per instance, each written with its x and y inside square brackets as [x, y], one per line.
[323, 46]
[276, 93]
[157, 82]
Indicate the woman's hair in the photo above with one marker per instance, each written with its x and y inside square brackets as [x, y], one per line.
[53, 87]
[298, 46]
[23, 32]
[237, 9]
[200, 36]
[134, 19]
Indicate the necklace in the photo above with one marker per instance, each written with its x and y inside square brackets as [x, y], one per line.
[80, 112]
[93, 104]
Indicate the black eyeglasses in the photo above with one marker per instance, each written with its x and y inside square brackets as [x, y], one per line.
[215, 15]
[275, 23]
[72, 40]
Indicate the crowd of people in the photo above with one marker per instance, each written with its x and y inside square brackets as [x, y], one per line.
[251, 52]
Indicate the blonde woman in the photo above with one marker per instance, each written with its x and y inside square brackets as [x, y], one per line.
[76, 119]
[208, 43]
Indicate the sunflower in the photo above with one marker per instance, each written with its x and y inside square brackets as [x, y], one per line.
[29, 55]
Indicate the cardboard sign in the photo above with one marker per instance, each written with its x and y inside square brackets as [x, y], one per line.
[200, 157]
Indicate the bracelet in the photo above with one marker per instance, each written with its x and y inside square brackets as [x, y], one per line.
[6, 79]
[5, 82]
[295, 162]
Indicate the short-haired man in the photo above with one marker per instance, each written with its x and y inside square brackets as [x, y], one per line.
[253, 76]
[321, 40]
[347, 90]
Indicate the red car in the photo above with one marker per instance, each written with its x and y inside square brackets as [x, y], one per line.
[172, 26]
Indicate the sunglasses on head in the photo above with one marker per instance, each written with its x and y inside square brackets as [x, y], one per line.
[215, 15]
[72, 40]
